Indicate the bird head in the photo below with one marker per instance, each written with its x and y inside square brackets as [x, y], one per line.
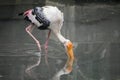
[69, 49]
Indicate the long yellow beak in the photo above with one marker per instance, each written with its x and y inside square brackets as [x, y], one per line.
[69, 49]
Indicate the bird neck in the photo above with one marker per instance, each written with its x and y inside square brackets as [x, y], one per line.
[61, 38]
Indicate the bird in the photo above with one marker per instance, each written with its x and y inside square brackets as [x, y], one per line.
[49, 18]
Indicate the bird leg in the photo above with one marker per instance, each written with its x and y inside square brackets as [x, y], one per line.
[46, 46]
[29, 30]
[47, 40]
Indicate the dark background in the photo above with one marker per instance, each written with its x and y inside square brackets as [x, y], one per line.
[92, 25]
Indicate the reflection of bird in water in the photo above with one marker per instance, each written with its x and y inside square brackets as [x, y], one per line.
[49, 18]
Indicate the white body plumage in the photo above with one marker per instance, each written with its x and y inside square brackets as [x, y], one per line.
[56, 18]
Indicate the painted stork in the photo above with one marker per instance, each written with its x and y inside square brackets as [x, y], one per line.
[49, 18]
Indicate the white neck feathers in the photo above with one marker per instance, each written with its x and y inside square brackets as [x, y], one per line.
[61, 38]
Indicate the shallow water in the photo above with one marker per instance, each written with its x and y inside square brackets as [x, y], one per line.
[93, 28]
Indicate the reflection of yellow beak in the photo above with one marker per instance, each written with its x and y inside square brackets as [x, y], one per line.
[69, 49]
